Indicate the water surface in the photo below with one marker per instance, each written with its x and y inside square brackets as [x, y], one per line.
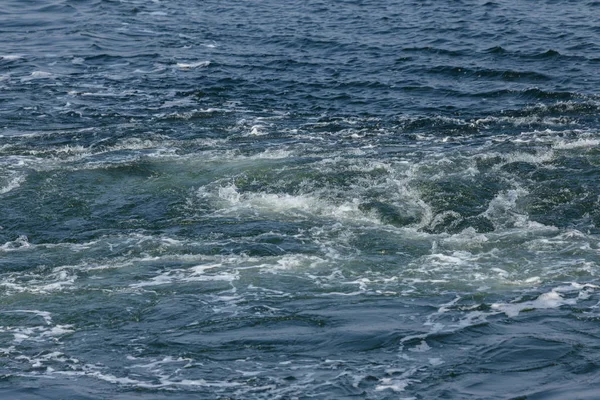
[293, 200]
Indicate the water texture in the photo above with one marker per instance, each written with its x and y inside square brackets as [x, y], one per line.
[300, 199]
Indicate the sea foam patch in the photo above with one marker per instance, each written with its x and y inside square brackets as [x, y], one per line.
[555, 298]
[232, 200]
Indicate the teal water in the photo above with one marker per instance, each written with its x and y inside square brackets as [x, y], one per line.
[300, 200]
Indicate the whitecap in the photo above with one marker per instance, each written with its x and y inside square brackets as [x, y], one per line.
[13, 183]
[257, 130]
[577, 144]
[200, 273]
[20, 243]
[296, 206]
[552, 299]
[394, 385]
[46, 316]
[503, 212]
[58, 330]
[270, 154]
[192, 65]
[421, 347]
[436, 361]
[37, 75]
[11, 57]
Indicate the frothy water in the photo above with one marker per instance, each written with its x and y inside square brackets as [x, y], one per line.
[299, 200]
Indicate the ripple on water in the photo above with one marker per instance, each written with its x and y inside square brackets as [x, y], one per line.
[285, 200]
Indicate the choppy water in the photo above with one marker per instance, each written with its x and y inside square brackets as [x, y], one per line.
[293, 200]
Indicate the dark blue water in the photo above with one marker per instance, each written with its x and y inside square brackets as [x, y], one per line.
[294, 200]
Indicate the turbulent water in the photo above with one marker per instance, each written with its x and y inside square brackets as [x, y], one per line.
[299, 199]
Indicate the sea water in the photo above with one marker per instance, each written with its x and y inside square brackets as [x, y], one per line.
[299, 199]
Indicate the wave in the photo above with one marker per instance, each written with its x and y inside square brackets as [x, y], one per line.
[504, 75]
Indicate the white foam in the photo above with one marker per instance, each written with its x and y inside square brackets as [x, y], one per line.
[574, 286]
[95, 372]
[127, 150]
[395, 385]
[230, 194]
[55, 356]
[472, 318]
[297, 206]
[193, 274]
[192, 65]
[293, 262]
[198, 382]
[19, 244]
[157, 68]
[11, 57]
[272, 154]
[59, 279]
[21, 334]
[524, 120]
[59, 330]
[36, 333]
[421, 347]
[436, 361]
[44, 314]
[155, 365]
[577, 144]
[219, 268]
[503, 211]
[551, 299]
[258, 130]
[105, 377]
[101, 94]
[457, 259]
[469, 237]
[536, 158]
[37, 75]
